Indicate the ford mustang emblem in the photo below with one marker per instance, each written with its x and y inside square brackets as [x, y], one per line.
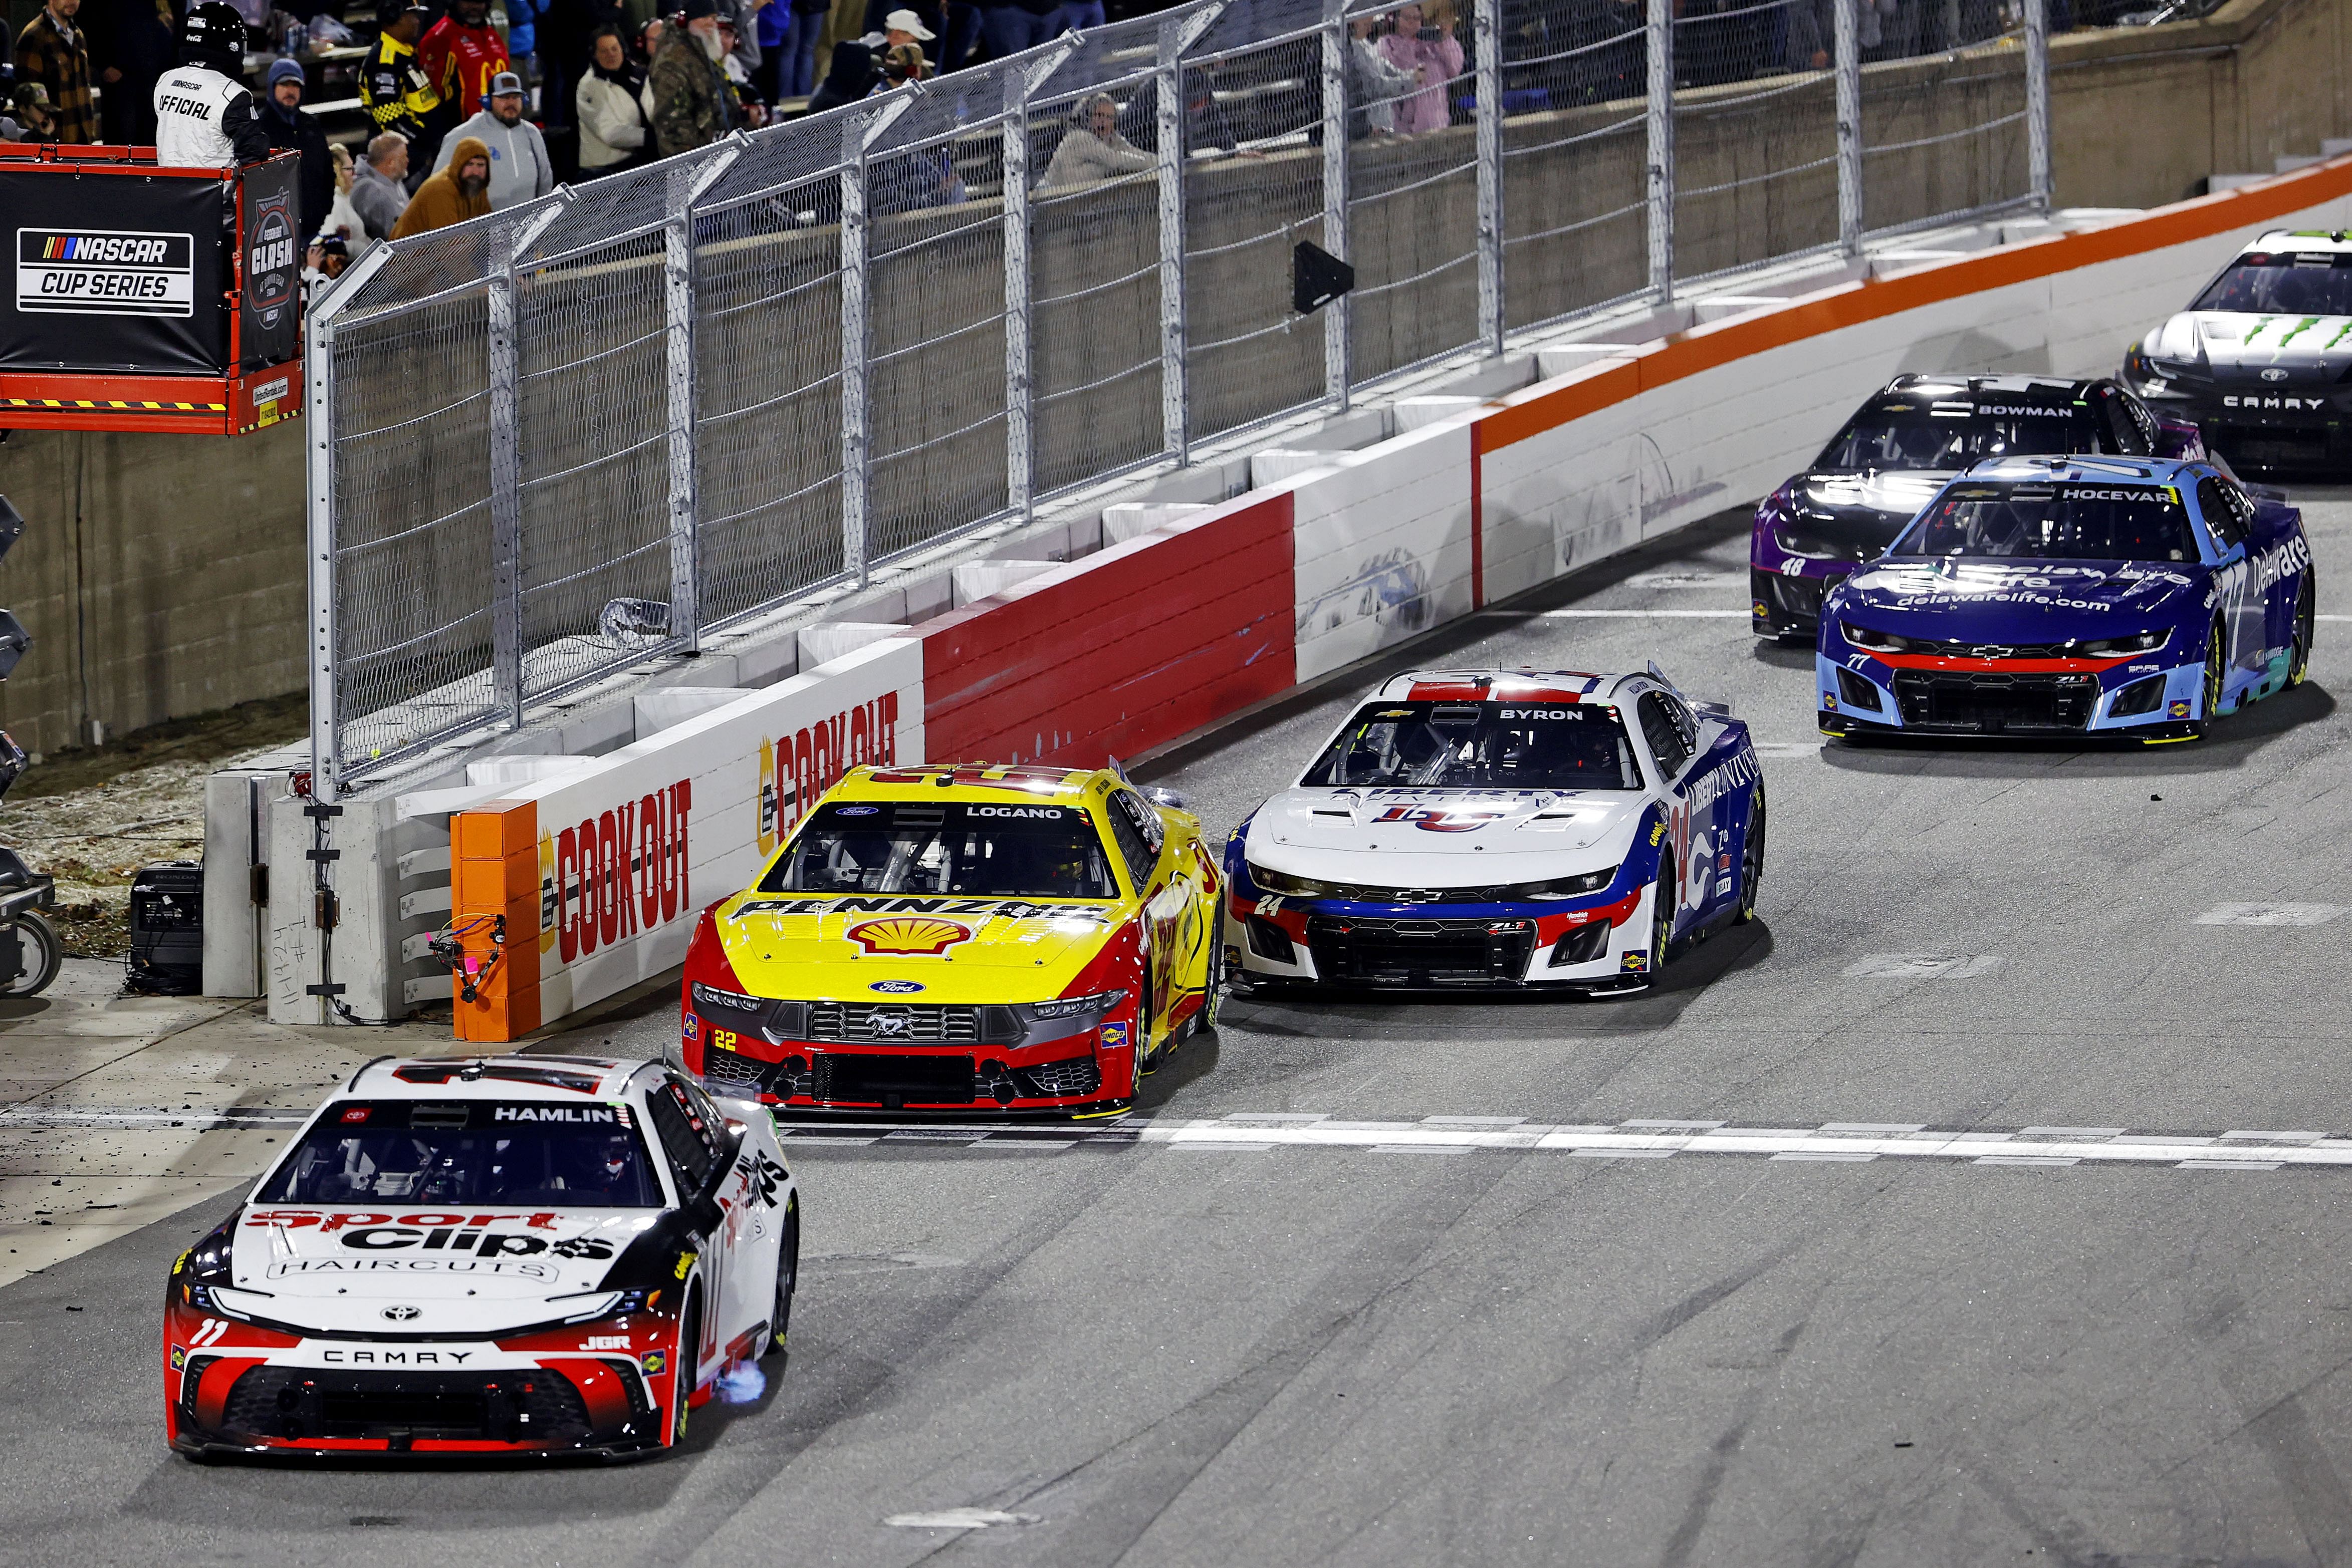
[887, 1023]
[2274, 374]
[402, 1315]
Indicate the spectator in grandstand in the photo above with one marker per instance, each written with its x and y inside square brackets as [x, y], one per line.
[131, 47]
[292, 130]
[853, 77]
[323, 262]
[1009, 26]
[459, 192]
[613, 134]
[1092, 148]
[567, 34]
[788, 30]
[1419, 45]
[400, 98]
[648, 40]
[691, 100]
[378, 189]
[52, 54]
[745, 107]
[459, 53]
[519, 169]
[32, 121]
[1376, 87]
[902, 63]
[522, 37]
[341, 217]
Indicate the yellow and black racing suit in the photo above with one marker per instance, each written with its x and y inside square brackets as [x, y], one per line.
[399, 97]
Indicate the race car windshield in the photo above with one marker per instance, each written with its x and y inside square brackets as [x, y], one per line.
[1881, 442]
[980, 850]
[2051, 522]
[1430, 744]
[2282, 284]
[390, 1153]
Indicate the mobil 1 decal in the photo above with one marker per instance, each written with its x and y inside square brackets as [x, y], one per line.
[1702, 832]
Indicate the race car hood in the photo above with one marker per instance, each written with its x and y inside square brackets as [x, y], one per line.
[2272, 353]
[2020, 602]
[401, 1270]
[1440, 837]
[819, 947]
[1853, 516]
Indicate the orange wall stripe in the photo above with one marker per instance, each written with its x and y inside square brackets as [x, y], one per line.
[1685, 354]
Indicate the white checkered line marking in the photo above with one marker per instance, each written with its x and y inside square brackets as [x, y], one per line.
[1835, 1142]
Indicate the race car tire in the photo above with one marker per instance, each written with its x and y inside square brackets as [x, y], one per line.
[1662, 916]
[1751, 857]
[38, 955]
[2209, 691]
[2307, 598]
[788, 1273]
[681, 1368]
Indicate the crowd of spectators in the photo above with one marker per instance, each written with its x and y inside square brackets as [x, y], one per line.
[474, 105]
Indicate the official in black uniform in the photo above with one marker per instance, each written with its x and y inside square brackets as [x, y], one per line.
[205, 118]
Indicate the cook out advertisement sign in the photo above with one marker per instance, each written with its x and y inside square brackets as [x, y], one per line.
[632, 847]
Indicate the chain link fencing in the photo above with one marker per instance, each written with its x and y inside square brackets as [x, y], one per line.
[553, 442]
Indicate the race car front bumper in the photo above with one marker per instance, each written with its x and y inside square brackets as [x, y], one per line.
[350, 1397]
[1090, 1072]
[1954, 697]
[1788, 602]
[1277, 941]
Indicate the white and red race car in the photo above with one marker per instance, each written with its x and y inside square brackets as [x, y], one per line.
[1500, 829]
[546, 1255]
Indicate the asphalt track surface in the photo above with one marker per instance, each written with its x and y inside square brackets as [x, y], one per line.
[1290, 1341]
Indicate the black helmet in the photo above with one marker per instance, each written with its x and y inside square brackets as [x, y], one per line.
[215, 36]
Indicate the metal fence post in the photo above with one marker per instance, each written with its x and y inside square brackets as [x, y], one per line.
[1662, 149]
[318, 419]
[506, 507]
[856, 474]
[1335, 193]
[505, 476]
[1486, 23]
[1849, 126]
[685, 187]
[2037, 102]
[1020, 436]
[1176, 35]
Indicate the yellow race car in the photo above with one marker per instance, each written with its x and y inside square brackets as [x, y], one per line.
[960, 937]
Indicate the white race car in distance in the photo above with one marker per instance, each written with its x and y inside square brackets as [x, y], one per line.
[537, 1255]
[1500, 829]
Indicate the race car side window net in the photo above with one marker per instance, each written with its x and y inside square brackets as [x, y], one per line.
[1419, 745]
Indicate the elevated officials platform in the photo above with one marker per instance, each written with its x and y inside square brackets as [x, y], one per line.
[143, 298]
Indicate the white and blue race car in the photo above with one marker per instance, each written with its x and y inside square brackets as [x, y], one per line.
[1500, 829]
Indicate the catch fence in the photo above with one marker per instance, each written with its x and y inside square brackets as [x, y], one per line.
[576, 435]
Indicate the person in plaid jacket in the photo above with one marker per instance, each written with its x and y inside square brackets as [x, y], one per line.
[52, 51]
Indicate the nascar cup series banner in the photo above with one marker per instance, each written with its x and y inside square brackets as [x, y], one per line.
[600, 876]
[126, 275]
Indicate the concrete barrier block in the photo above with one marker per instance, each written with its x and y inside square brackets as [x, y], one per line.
[979, 580]
[657, 710]
[823, 644]
[1415, 412]
[504, 770]
[1132, 519]
[1273, 468]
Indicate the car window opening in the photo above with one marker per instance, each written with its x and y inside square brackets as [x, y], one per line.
[978, 850]
[393, 1154]
[1419, 745]
[2042, 521]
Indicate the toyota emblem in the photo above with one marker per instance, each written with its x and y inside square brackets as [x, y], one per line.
[402, 1315]
[2274, 374]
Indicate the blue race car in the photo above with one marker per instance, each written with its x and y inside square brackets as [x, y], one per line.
[2057, 596]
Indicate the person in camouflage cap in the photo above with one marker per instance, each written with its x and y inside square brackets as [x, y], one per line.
[691, 100]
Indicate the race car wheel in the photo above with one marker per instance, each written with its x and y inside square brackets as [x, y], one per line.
[1751, 859]
[2212, 694]
[681, 1369]
[2298, 663]
[788, 1273]
[1662, 914]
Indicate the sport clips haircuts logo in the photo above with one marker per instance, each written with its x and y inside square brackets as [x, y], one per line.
[105, 272]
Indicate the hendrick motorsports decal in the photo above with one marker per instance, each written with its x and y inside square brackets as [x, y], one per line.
[105, 272]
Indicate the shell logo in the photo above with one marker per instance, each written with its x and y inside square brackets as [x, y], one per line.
[922, 934]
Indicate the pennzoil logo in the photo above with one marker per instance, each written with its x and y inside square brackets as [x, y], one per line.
[105, 272]
[915, 934]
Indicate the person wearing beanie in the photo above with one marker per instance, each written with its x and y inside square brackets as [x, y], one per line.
[519, 168]
[459, 192]
[292, 130]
